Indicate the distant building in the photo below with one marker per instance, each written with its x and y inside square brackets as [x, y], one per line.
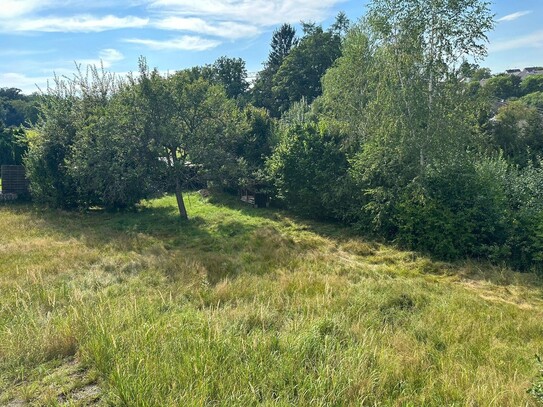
[532, 70]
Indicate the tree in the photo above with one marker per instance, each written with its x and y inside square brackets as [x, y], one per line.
[301, 72]
[17, 112]
[534, 99]
[473, 72]
[189, 121]
[349, 85]
[283, 41]
[398, 93]
[110, 160]
[51, 144]
[232, 75]
[434, 36]
[12, 145]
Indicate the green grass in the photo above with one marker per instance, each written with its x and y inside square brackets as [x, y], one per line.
[243, 306]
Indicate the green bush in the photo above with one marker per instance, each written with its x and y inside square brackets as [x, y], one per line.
[48, 149]
[306, 167]
[454, 212]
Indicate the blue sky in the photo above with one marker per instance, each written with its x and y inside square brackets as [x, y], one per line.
[40, 37]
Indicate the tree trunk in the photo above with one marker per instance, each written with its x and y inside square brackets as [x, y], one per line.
[180, 202]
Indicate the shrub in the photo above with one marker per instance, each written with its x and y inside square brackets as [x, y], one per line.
[306, 167]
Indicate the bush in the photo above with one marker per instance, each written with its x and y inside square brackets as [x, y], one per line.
[307, 168]
[48, 148]
[454, 212]
[524, 189]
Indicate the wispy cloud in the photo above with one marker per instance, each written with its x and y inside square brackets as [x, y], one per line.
[185, 43]
[534, 40]
[224, 29]
[258, 12]
[107, 57]
[80, 23]
[515, 16]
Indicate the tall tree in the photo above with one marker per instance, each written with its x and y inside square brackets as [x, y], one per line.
[300, 73]
[433, 36]
[283, 41]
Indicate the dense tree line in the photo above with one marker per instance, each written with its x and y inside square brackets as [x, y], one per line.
[382, 125]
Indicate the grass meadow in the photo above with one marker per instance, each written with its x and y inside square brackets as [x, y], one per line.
[243, 306]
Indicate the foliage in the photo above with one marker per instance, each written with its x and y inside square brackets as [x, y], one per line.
[525, 201]
[349, 85]
[46, 160]
[534, 99]
[232, 74]
[503, 86]
[473, 72]
[282, 42]
[13, 145]
[105, 142]
[306, 167]
[537, 387]
[517, 131]
[16, 112]
[459, 211]
[301, 71]
[531, 84]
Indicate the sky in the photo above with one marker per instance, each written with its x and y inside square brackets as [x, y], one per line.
[41, 38]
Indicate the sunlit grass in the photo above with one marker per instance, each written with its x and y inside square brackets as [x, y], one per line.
[241, 306]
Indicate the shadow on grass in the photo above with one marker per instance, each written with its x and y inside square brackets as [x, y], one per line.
[474, 270]
[219, 243]
[97, 228]
[216, 243]
[328, 229]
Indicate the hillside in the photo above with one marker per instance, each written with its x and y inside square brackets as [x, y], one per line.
[240, 306]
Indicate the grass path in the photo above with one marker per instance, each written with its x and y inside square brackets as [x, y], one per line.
[241, 306]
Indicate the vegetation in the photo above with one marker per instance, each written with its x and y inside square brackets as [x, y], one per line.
[241, 306]
[387, 129]
[16, 110]
[382, 126]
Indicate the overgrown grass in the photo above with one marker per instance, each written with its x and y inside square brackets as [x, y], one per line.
[243, 306]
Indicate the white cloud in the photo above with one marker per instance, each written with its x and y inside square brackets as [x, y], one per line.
[225, 29]
[28, 84]
[534, 40]
[16, 8]
[515, 16]
[80, 23]
[185, 43]
[264, 13]
[106, 58]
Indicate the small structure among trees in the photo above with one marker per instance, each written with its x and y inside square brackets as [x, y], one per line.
[14, 182]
